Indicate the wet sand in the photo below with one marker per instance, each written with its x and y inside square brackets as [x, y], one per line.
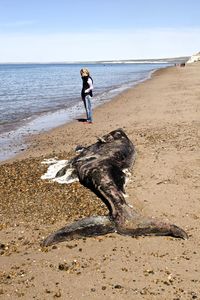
[161, 117]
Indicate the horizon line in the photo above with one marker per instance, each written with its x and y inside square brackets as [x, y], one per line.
[97, 61]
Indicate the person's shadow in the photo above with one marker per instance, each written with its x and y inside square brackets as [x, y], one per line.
[81, 120]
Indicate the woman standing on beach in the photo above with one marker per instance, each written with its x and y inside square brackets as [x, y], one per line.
[86, 93]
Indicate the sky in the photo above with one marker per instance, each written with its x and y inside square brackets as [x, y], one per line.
[90, 30]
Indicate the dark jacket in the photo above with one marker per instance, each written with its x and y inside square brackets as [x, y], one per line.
[86, 86]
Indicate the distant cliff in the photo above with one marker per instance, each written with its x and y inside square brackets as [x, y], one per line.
[194, 58]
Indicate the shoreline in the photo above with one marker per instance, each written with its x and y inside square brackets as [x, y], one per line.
[12, 141]
[20, 150]
[161, 117]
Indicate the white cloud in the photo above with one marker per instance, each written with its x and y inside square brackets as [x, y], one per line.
[146, 43]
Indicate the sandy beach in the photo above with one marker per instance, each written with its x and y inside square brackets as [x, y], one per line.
[161, 117]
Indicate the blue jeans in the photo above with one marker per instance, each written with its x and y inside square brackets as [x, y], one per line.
[88, 107]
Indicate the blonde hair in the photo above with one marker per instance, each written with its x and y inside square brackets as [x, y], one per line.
[84, 72]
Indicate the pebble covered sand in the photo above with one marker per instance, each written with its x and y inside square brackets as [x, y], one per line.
[27, 198]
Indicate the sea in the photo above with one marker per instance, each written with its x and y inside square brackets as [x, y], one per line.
[38, 97]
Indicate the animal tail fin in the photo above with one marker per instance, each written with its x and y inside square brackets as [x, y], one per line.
[150, 226]
[86, 227]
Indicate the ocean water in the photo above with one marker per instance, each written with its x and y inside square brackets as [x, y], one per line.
[38, 97]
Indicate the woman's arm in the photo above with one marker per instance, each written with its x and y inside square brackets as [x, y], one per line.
[90, 85]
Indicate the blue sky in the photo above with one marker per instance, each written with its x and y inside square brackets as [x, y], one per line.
[74, 30]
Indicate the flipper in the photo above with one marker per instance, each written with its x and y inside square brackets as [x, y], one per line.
[86, 227]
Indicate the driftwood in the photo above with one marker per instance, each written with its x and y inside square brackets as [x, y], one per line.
[102, 167]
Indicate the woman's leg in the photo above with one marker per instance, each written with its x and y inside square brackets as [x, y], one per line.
[84, 102]
[88, 107]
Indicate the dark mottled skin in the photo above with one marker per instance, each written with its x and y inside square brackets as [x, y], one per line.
[100, 167]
